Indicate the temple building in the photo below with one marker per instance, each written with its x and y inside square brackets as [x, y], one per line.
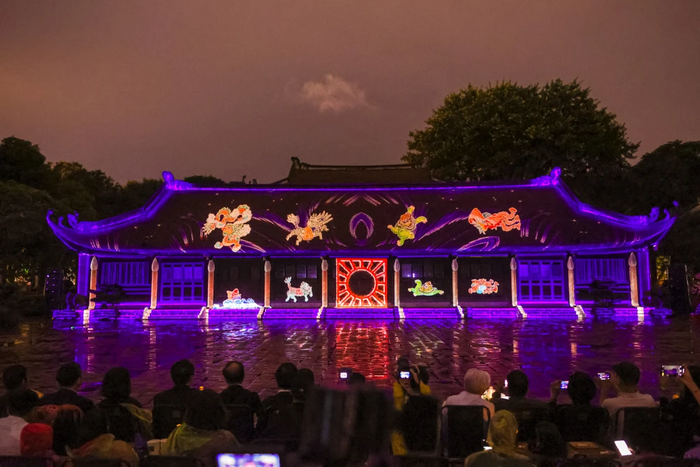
[333, 242]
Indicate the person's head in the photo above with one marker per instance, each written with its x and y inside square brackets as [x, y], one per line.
[695, 374]
[45, 414]
[182, 372]
[476, 381]
[14, 377]
[65, 428]
[20, 402]
[549, 441]
[285, 375]
[234, 373]
[518, 383]
[303, 383]
[503, 430]
[206, 411]
[69, 376]
[35, 439]
[625, 376]
[117, 384]
[356, 379]
[581, 389]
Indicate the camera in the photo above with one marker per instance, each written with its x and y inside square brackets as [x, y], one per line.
[564, 385]
[604, 376]
[344, 374]
[672, 370]
[405, 374]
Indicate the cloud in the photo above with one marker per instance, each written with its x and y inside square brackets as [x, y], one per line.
[333, 94]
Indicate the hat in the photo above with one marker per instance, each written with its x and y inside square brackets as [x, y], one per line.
[35, 439]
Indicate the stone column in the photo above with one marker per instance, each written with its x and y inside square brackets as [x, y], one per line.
[571, 283]
[210, 283]
[634, 279]
[514, 281]
[455, 282]
[155, 267]
[324, 283]
[93, 283]
[397, 283]
[268, 269]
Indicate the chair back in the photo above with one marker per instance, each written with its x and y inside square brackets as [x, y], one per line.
[241, 422]
[467, 427]
[122, 424]
[666, 462]
[418, 460]
[23, 461]
[419, 422]
[583, 423]
[95, 462]
[631, 423]
[527, 421]
[166, 418]
[170, 461]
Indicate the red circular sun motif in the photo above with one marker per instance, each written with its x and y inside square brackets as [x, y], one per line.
[361, 283]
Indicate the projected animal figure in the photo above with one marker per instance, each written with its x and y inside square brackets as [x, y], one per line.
[426, 289]
[486, 221]
[233, 225]
[314, 227]
[304, 290]
[483, 286]
[405, 228]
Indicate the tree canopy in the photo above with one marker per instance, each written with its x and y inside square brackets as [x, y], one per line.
[511, 132]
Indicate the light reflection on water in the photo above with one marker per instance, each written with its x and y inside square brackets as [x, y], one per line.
[544, 350]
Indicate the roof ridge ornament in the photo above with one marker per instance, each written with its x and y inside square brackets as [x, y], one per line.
[172, 184]
[554, 178]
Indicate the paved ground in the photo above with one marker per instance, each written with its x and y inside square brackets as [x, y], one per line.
[544, 350]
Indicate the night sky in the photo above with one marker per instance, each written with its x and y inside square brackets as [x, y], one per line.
[231, 88]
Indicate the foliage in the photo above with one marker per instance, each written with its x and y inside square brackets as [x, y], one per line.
[109, 294]
[682, 243]
[511, 132]
[602, 294]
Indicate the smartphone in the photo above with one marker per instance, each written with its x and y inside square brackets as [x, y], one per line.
[248, 460]
[505, 384]
[671, 370]
[345, 373]
[622, 448]
[604, 376]
[405, 374]
[564, 385]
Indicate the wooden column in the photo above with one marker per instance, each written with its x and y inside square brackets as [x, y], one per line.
[93, 283]
[324, 283]
[155, 267]
[514, 281]
[210, 283]
[634, 279]
[571, 283]
[455, 282]
[268, 269]
[397, 283]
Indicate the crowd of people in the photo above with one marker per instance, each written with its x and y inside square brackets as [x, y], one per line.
[200, 423]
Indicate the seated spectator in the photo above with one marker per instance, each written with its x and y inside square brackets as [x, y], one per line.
[580, 421]
[502, 437]
[235, 393]
[65, 428]
[45, 414]
[269, 419]
[625, 378]
[476, 382]
[20, 404]
[528, 412]
[292, 415]
[416, 385]
[96, 441]
[13, 377]
[356, 379]
[176, 399]
[126, 416]
[304, 382]
[69, 378]
[685, 412]
[36, 440]
[203, 433]
[548, 448]
[243, 405]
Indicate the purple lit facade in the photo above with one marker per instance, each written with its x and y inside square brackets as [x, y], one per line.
[518, 249]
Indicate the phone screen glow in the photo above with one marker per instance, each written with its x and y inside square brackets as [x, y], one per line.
[622, 448]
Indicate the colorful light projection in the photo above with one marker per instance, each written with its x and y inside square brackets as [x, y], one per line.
[506, 221]
[314, 227]
[405, 227]
[425, 290]
[304, 290]
[483, 287]
[236, 302]
[233, 224]
[361, 283]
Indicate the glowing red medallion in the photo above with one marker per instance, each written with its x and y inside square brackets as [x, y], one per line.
[361, 283]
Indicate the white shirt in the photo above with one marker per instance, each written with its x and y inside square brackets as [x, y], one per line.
[466, 398]
[10, 429]
[627, 399]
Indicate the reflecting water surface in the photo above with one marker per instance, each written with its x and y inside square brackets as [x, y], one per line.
[544, 350]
